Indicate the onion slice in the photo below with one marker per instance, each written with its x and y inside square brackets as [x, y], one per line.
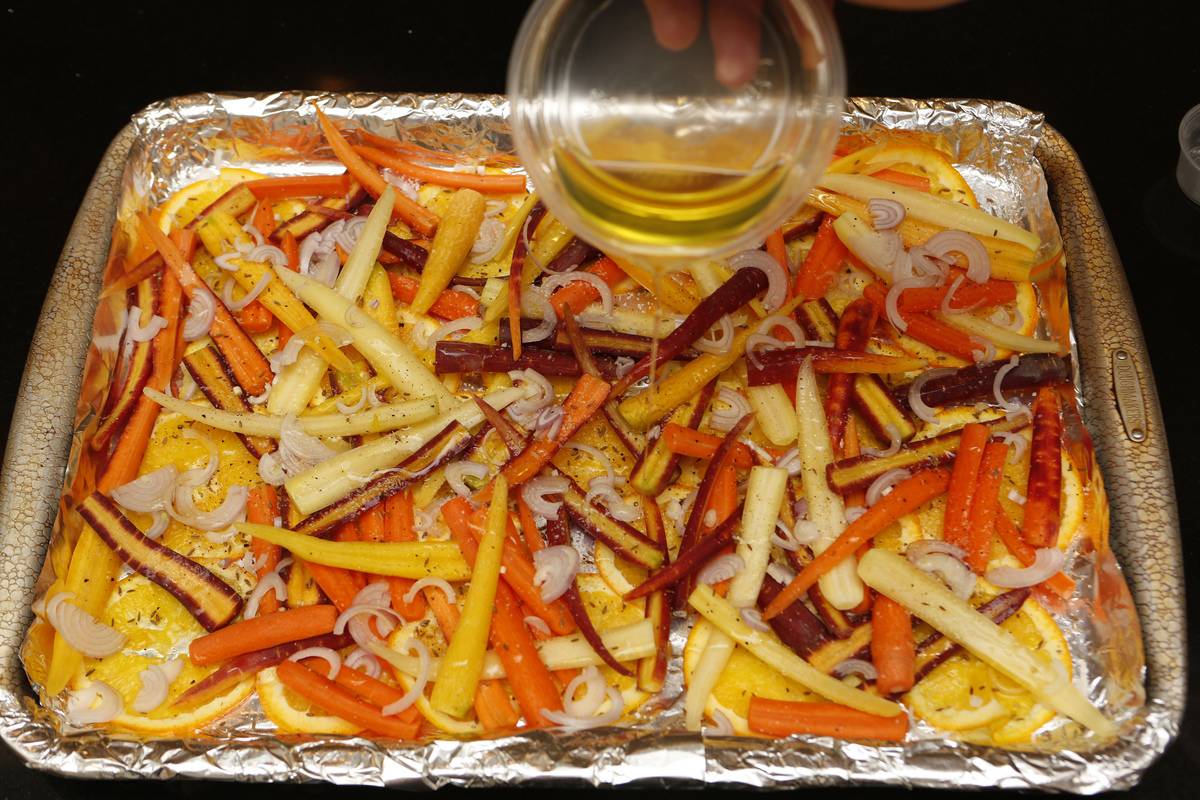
[534, 493]
[434, 583]
[887, 480]
[150, 492]
[418, 687]
[886, 213]
[329, 654]
[80, 629]
[915, 403]
[721, 568]
[1010, 406]
[457, 470]
[156, 681]
[93, 704]
[1047, 563]
[776, 275]
[956, 575]
[979, 264]
[856, 666]
[556, 568]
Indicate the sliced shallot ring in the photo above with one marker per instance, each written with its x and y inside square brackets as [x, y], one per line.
[431, 583]
[1047, 563]
[887, 480]
[777, 278]
[721, 568]
[979, 264]
[418, 688]
[915, 403]
[457, 470]
[886, 213]
[855, 666]
[998, 382]
[556, 569]
[330, 655]
[531, 300]
[535, 490]
[564, 278]
[202, 310]
[80, 710]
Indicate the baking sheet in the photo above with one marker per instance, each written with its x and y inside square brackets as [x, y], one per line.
[181, 140]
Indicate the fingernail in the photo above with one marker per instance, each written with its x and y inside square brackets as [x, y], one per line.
[729, 71]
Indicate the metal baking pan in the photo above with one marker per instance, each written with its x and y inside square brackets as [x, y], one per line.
[1119, 408]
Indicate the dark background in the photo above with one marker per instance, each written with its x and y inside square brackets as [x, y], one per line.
[1115, 78]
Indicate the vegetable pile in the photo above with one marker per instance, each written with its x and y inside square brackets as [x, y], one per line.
[396, 452]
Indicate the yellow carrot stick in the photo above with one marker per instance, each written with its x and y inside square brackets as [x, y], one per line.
[451, 246]
[400, 559]
[462, 665]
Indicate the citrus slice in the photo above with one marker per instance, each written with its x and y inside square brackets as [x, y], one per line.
[157, 628]
[183, 206]
[443, 722]
[743, 677]
[966, 696]
[957, 696]
[294, 714]
[619, 575]
[166, 721]
[1037, 630]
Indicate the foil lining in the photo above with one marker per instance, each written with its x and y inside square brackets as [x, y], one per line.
[178, 141]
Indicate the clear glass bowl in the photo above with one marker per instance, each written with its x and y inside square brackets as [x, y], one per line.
[641, 150]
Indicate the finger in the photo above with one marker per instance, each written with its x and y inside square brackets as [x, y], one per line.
[736, 38]
[906, 5]
[676, 23]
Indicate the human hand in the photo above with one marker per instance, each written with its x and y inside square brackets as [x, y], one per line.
[734, 28]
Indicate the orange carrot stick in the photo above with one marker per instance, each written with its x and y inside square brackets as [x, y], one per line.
[585, 399]
[262, 217]
[289, 186]
[492, 705]
[259, 633]
[368, 689]
[691, 442]
[906, 497]
[962, 483]
[339, 585]
[415, 216]
[533, 537]
[1007, 530]
[336, 700]
[450, 304]
[493, 184]
[518, 571]
[255, 318]
[968, 295]
[399, 525]
[921, 184]
[926, 329]
[578, 295]
[893, 650]
[262, 507]
[981, 521]
[247, 362]
[291, 249]
[776, 248]
[788, 717]
[1043, 493]
[820, 267]
[528, 677]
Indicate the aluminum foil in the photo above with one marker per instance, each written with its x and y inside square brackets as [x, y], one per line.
[182, 140]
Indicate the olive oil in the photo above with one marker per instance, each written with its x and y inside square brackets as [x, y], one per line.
[660, 207]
